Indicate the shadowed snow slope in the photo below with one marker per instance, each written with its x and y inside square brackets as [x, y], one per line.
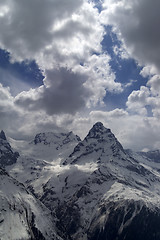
[21, 215]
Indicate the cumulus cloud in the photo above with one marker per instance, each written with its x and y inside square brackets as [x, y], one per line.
[50, 31]
[64, 38]
[28, 25]
[8, 112]
[133, 131]
[137, 100]
[63, 92]
[140, 100]
[137, 24]
[20, 124]
[154, 84]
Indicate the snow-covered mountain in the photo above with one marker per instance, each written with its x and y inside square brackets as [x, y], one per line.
[22, 216]
[95, 189]
[104, 193]
[7, 156]
[40, 158]
[47, 146]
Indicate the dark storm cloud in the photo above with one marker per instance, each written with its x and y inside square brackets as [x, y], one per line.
[63, 92]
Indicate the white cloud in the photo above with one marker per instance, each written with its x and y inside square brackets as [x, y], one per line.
[138, 100]
[133, 131]
[137, 25]
[148, 71]
[64, 38]
[130, 83]
[154, 84]
[51, 32]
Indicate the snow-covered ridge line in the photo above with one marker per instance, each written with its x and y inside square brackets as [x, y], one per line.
[95, 188]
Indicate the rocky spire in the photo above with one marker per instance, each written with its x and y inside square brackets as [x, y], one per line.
[2, 135]
[98, 130]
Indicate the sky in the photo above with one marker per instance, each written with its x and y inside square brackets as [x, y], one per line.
[66, 64]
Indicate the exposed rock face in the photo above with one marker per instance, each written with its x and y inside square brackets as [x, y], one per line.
[152, 155]
[7, 156]
[109, 202]
[99, 142]
[129, 221]
[55, 138]
[22, 216]
[2, 135]
[96, 190]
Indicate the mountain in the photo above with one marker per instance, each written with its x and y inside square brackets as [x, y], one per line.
[99, 142]
[40, 158]
[95, 189]
[152, 155]
[7, 156]
[21, 215]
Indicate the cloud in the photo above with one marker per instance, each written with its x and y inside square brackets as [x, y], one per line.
[100, 78]
[138, 98]
[63, 92]
[8, 112]
[20, 124]
[64, 38]
[51, 32]
[130, 83]
[28, 25]
[133, 131]
[154, 84]
[137, 24]
[16, 84]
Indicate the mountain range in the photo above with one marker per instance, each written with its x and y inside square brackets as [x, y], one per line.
[58, 186]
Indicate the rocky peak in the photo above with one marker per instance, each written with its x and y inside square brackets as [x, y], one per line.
[2, 135]
[153, 155]
[7, 156]
[97, 128]
[97, 131]
[99, 143]
[58, 139]
[100, 133]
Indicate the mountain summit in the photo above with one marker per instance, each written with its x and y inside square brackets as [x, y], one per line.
[7, 156]
[2, 135]
[94, 188]
[100, 143]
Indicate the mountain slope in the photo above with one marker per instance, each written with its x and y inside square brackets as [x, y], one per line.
[21, 215]
[97, 189]
[7, 156]
[40, 158]
[104, 193]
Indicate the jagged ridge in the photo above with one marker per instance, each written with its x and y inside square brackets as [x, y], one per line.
[101, 191]
[7, 156]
